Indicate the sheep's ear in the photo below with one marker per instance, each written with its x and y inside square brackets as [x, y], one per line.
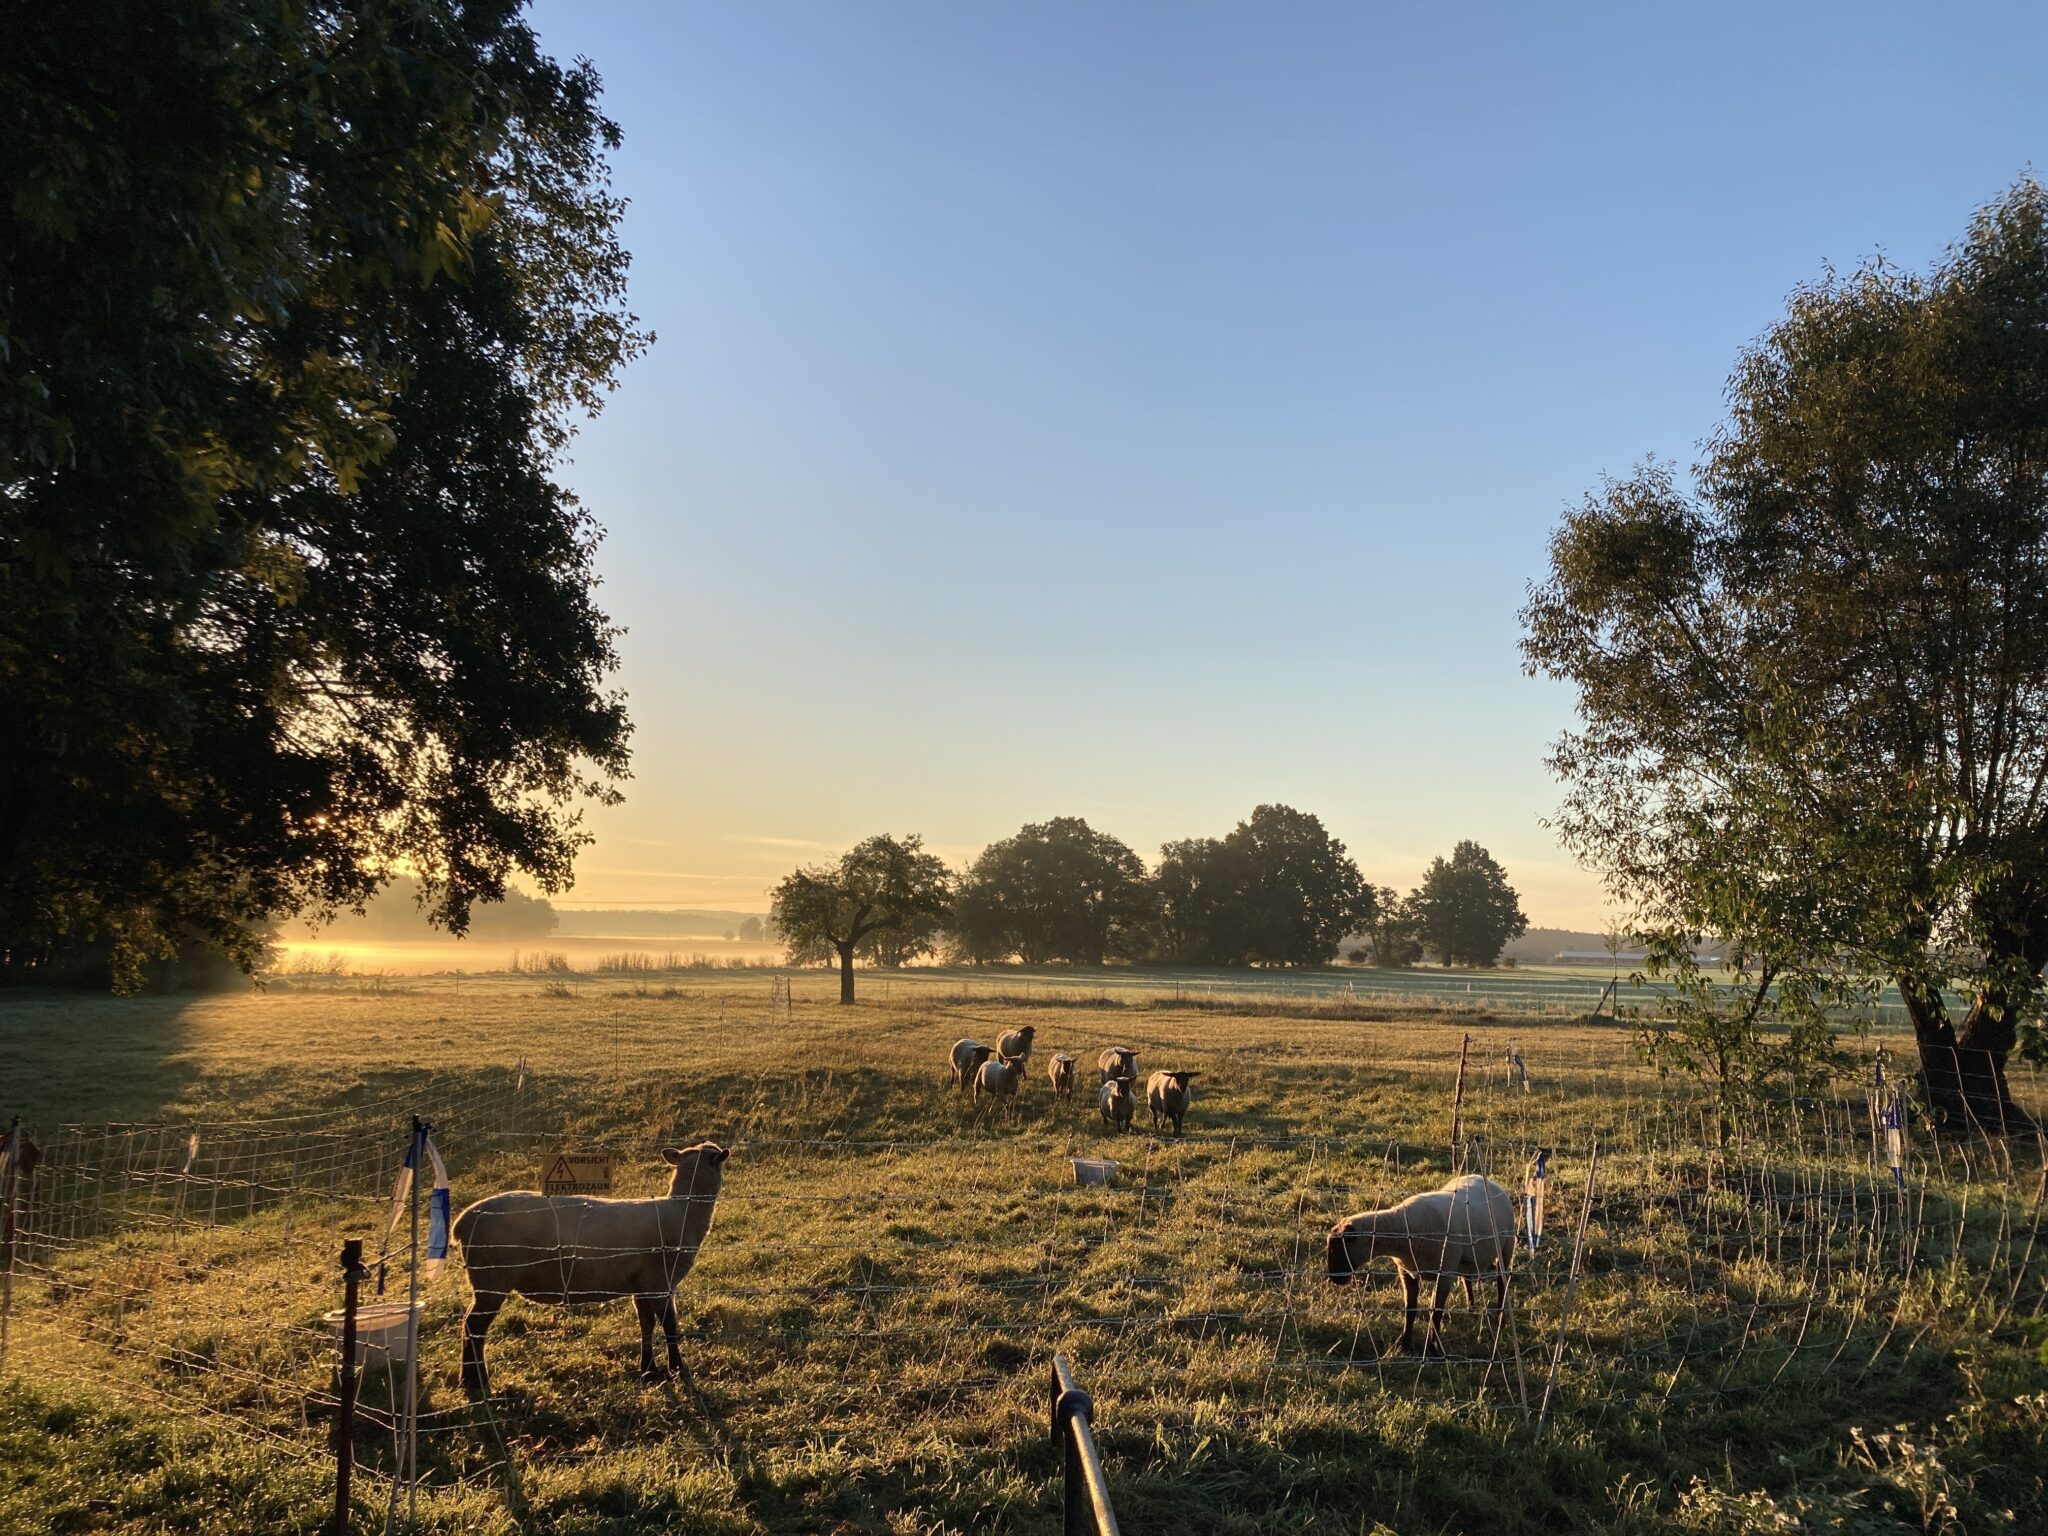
[1187, 1077]
[715, 1152]
[672, 1155]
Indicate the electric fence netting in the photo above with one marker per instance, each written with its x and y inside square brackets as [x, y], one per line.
[191, 1268]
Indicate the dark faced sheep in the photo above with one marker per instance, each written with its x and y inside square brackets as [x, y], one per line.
[1118, 1061]
[1466, 1228]
[968, 1055]
[1062, 1074]
[998, 1080]
[1015, 1044]
[1118, 1102]
[571, 1249]
[1168, 1095]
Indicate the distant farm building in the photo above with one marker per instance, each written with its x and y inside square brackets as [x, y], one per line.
[1616, 957]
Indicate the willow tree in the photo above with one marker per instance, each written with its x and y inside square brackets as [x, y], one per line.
[299, 304]
[1813, 682]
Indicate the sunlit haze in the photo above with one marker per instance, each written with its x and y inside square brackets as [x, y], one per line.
[1141, 412]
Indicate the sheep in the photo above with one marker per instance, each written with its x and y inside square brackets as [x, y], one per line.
[1168, 1095]
[1062, 1075]
[1015, 1044]
[998, 1079]
[1118, 1102]
[1118, 1061]
[570, 1249]
[1465, 1228]
[968, 1055]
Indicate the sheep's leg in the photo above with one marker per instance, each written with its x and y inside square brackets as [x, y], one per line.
[482, 1312]
[649, 1308]
[1433, 1341]
[1411, 1287]
[670, 1329]
[1468, 1289]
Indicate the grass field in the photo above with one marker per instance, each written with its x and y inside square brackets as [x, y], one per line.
[1764, 1340]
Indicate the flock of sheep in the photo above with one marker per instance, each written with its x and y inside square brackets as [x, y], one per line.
[568, 1249]
[1167, 1093]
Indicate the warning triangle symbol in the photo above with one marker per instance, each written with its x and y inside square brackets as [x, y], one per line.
[560, 1173]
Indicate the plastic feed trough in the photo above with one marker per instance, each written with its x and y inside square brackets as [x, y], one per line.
[1094, 1170]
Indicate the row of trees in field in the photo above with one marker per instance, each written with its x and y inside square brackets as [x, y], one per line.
[1277, 890]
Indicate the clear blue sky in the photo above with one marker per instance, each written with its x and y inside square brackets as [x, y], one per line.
[1142, 411]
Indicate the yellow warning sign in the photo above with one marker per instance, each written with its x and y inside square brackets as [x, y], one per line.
[577, 1173]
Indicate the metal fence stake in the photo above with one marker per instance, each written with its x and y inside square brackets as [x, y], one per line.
[352, 1273]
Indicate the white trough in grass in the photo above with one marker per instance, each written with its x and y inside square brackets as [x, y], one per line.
[1094, 1170]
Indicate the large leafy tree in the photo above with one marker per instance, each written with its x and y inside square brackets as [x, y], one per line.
[1465, 912]
[1813, 684]
[1056, 891]
[1278, 890]
[1304, 893]
[298, 304]
[1203, 889]
[884, 884]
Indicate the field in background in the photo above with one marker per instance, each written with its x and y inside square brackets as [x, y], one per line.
[343, 953]
[1534, 989]
[890, 1271]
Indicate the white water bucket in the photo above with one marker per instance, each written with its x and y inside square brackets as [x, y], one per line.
[385, 1333]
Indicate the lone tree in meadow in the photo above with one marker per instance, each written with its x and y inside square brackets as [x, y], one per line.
[300, 306]
[1465, 912]
[883, 884]
[1057, 891]
[1813, 680]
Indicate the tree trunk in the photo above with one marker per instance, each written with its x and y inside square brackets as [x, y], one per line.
[1964, 1074]
[845, 973]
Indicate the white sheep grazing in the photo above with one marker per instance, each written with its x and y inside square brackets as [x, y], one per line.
[968, 1055]
[1118, 1102]
[1016, 1043]
[998, 1079]
[1466, 1228]
[571, 1249]
[1062, 1075]
[1168, 1095]
[1118, 1061]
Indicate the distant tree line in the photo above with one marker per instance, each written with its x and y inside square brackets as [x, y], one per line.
[1463, 913]
[1277, 890]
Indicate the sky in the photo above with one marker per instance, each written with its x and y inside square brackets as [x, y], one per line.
[1148, 411]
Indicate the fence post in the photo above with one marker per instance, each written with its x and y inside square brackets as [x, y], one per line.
[1458, 1104]
[352, 1273]
[409, 1446]
[10, 1167]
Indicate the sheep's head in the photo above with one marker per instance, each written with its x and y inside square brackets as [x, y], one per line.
[1025, 1034]
[1350, 1245]
[1181, 1081]
[699, 1170]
